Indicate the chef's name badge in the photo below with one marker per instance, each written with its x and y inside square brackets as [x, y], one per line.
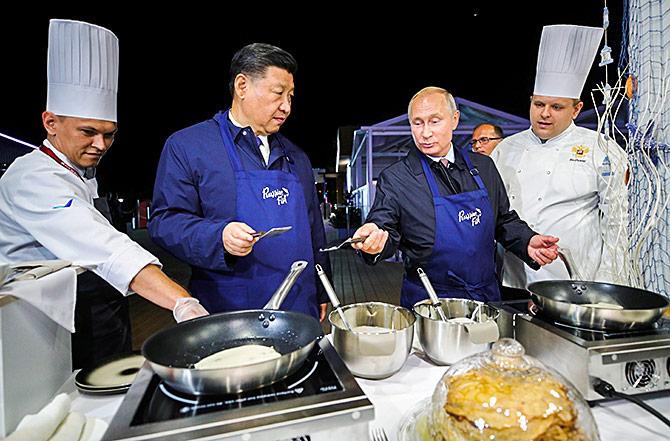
[474, 216]
[579, 153]
[279, 194]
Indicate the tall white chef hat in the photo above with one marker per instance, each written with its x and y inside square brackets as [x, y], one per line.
[564, 59]
[82, 70]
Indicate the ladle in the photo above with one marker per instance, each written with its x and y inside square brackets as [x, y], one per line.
[431, 294]
[331, 295]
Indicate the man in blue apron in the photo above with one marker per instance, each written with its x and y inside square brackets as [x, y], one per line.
[225, 178]
[445, 209]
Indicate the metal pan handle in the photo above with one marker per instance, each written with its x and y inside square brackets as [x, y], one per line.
[566, 256]
[280, 294]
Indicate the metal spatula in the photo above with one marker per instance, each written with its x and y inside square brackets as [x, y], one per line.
[346, 242]
[271, 232]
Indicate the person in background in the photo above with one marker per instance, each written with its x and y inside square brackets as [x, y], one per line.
[444, 208]
[226, 178]
[485, 138]
[561, 178]
[50, 209]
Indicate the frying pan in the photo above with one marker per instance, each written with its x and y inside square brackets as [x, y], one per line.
[173, 352]
[567, 301]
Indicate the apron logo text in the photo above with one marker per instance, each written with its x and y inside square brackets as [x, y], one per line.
[472, 216]
[280, 194]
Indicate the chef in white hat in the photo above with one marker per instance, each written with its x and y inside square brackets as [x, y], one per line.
[49, 205]
[562, 179]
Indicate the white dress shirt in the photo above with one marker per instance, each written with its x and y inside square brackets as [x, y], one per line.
[265, 145]
[450, 156]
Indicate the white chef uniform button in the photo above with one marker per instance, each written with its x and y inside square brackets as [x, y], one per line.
[518, 171]
[539, 198]
[532, 225]
[548, 172]
[511, 196]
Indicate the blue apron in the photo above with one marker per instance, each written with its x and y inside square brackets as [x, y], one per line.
[462, 263]
[265, 199]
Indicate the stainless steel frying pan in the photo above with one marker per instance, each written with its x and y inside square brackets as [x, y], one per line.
[173, 352]
[594, 305]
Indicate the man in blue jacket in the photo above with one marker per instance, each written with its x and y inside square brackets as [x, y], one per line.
[225, 178]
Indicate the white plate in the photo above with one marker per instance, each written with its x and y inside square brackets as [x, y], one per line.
[114, 375]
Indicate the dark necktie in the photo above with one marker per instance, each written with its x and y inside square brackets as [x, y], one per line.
[443, 167]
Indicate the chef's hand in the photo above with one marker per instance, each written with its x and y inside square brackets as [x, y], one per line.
[237, 238]
[187, 308]
[376, 239]
[543, 249]
[323, 307]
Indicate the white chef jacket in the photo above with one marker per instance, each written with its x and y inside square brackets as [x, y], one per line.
[47, 212]
[572, 187]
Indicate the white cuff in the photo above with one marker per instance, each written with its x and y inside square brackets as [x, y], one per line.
[124, 265]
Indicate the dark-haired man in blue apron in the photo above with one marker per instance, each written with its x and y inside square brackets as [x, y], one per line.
[445, 209]
[222, 180]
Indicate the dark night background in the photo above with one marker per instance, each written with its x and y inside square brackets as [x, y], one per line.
[357, 66]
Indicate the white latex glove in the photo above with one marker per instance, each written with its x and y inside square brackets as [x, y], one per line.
[188, 308]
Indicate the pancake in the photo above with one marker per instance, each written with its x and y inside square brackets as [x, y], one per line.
[238, 356]
[506, 408]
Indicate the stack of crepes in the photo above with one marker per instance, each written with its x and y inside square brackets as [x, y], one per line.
[55, 422]
[482, 405]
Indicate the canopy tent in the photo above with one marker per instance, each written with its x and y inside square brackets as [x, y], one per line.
[377, 146]
[10, 149]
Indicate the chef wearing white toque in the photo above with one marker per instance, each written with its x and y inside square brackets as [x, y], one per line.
[49, 205]
[565, 180]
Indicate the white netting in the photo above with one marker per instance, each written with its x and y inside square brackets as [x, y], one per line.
[648, 62]
[612, 188]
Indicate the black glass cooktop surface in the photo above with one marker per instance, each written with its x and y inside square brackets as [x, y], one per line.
[160, 402]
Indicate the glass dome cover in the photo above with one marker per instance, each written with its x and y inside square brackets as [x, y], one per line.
[505, 395]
